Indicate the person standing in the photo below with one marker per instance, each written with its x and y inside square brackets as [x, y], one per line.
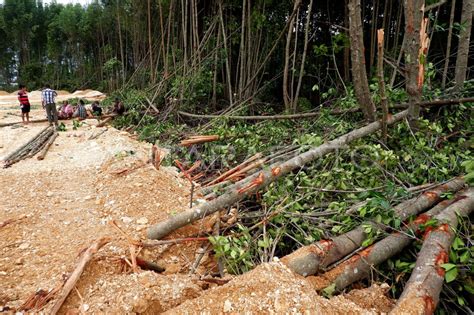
[24, 104]
[48, 100]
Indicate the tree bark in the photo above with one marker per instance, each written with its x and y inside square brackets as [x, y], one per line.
[422, 290]
[308, 260]
[359, 73]
[414, 10]
[264, 179]
[303, 58]
[448, 47]
[286, 97]
[359, 266]
[381, 79]
[46, 147]
[463, 47]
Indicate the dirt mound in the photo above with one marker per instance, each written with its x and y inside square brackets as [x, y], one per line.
[63, 92]
[273, 288]
[34, 94]
[3, 93]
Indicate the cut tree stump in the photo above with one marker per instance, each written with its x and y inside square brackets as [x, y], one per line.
[422, 290]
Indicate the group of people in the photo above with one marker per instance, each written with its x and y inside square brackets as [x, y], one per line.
[66, 111]
[79, 110]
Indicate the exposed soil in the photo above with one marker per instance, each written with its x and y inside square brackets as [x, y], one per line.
[68, 200]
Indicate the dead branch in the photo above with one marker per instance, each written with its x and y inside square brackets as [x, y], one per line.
[198, 140]
[265, 178]
[10, 221]
[76, 274]
[434, 103]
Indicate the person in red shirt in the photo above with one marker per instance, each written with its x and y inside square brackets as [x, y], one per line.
[24, 104]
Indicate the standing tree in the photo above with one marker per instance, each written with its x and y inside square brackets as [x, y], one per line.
[359, 74]
[463, 47]
[414, 10]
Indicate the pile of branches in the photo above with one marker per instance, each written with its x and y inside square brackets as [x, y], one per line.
[345, 259]
[40, 143]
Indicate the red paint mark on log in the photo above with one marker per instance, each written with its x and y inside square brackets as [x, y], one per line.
[431, 195]
[365, 253]
[443, 228]
[442, 258]
[323, 246]
[254, 183]
[421, 219]
[276, 171]
[429, 305]
[427, 232]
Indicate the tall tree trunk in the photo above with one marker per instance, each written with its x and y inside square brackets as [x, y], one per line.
[413, 17]
[305, 48]
[463, 47]
[448, 47]
[286, 97]
[122, 58]
[150, 49]
[227, 55]
[359, 73]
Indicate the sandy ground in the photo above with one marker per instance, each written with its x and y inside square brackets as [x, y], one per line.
[68, 200]
[11, 99]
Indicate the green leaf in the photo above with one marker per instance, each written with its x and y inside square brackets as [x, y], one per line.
[451, 275]
[329, 290]
[458, 243]
[448, 266]
[464, 257]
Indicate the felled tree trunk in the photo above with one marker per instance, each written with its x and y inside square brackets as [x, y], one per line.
[422, 290]
[359, 266]
[308, 260]
[263, 179]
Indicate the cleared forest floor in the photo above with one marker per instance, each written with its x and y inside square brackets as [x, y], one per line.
[62, 204]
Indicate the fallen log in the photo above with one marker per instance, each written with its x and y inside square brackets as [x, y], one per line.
[359, 266]
[422, 290]
[71, 282]
[26, 145]
[308, 260]
[46, 147]
[263, 179]
[98, 134]
[20, 122]
[105, 121]
[40, 143]
[148, 265]
[334, 112]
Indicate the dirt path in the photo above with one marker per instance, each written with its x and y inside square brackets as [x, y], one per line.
[67, 201]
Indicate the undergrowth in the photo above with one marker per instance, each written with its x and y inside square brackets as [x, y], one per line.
[311, 203]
